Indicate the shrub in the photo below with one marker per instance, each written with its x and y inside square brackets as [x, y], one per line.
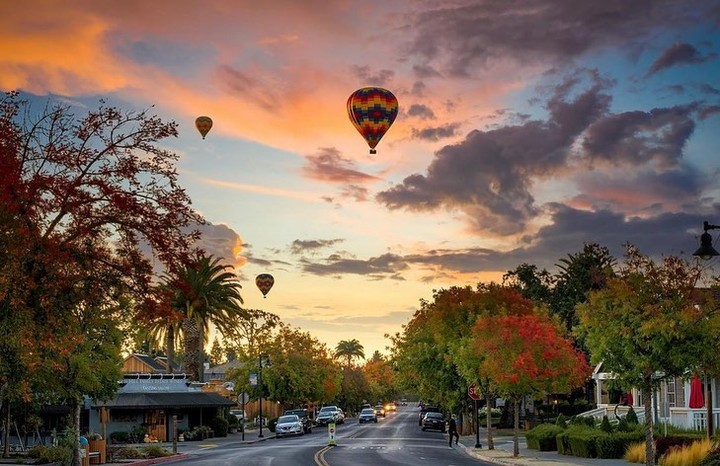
[561, 421]
[623, 425]
[631, 416]
[635, 453]
[51, 454]
[564, 445]
[119, 437]
[156, 451]
[543, 437]
[688, 455]
[220, 425]
[712, 458]
[617, 444]
[605, 425]
[128, 452]
[664, 444]
[583, 443]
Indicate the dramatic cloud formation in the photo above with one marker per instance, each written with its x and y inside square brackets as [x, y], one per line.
[676, 55]
[525, 129]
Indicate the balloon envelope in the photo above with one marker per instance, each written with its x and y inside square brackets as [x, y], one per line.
[203, 124]
[372, 110]
[264, 282]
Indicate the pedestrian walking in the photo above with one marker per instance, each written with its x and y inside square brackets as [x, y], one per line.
[453, 431]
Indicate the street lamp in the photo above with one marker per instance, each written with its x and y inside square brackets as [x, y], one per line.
[706, 251]
[262, 361]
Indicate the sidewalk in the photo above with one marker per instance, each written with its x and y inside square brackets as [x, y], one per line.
[251, 436]
[503, 454]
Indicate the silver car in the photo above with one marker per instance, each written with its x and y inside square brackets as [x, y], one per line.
[289, 425]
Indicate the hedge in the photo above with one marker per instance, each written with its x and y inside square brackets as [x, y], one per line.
[543, 436]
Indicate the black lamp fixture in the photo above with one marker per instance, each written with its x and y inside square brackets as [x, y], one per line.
[706, 250]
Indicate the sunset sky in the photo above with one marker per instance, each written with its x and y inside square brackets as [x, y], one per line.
[525, 130]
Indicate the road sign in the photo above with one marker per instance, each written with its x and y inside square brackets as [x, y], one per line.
[331, 434]
[472, 393]
[243, 398]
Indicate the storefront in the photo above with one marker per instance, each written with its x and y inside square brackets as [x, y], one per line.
[151, 403]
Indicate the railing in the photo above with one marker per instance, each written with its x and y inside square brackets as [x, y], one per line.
[699, 419]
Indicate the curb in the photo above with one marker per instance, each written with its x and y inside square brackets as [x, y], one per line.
[164, 459]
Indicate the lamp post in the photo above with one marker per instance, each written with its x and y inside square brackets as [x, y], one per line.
[262, 361]
[706, 251]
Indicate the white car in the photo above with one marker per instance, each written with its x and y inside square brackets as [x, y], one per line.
[328, 414]
[289, 425]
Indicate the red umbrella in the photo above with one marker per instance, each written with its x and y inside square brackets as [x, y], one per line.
[697, 400]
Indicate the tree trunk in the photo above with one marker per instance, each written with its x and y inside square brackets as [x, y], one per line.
[488, 423]
[190, 330]
[516, 428]
[170, 347]
[647, 404]
[6, 430]
[77, 460]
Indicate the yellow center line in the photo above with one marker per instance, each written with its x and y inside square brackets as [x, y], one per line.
[320, 456]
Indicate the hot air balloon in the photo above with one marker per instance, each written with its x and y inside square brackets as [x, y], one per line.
[264, 282]
[203, 124]
[372, 110]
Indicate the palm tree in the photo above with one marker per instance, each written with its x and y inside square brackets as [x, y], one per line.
[349, 350]
[206, 292]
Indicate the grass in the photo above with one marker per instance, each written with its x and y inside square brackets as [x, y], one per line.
[690, 455]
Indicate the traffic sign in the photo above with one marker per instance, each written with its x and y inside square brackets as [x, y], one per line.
[472, 393]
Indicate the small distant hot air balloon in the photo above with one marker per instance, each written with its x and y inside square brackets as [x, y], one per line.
[372, 110]
[203, 124]
[264, 282]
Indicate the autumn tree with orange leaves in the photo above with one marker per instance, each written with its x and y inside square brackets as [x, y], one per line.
[525, 355]
[79, 197]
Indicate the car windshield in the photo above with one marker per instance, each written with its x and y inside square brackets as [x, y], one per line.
[328, 409]
[287, 419]
[433, 416]
[368, 411]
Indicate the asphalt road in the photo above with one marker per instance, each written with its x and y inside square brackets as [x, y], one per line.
[396, 440]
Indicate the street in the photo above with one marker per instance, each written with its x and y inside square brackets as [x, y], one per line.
[394, 440]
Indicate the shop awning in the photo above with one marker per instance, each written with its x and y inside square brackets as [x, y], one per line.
[166, 400]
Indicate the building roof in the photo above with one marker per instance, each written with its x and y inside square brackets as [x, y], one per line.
[166, 400]
[152, 364]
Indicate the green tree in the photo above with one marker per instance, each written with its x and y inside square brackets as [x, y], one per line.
[217, 353]
[349, 350]
[206, 292]
[254, 330]
[580, 273]
[644, 325]
[531, 283]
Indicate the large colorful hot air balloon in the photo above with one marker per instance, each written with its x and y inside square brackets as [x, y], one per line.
[264, 282]
[372, 110]
[203, 124]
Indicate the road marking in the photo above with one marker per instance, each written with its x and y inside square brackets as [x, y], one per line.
[320, 456]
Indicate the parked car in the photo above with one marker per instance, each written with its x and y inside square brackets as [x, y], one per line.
[380, 410]
[328, 414]
[289, 425]
[239, 414]
[427, 409]
[433, 421]
[340, 416]
[304, 416]
[367, 415]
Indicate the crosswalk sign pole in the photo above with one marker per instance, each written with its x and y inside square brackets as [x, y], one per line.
[331, 434]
